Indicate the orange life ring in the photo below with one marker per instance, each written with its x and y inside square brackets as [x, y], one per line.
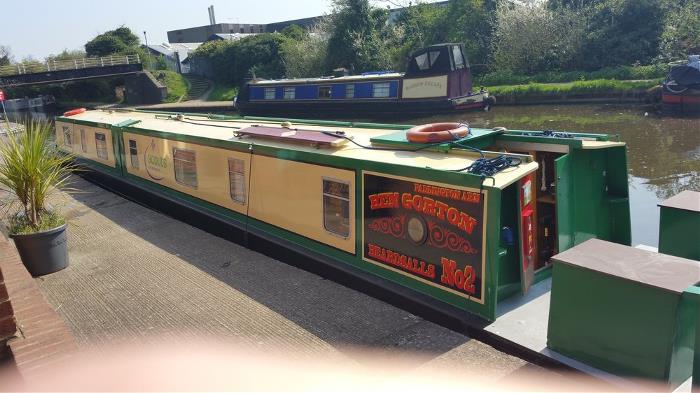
[437, 132]
[74, 112]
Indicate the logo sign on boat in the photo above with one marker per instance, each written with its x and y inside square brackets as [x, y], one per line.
[156, 160]
[428, 231]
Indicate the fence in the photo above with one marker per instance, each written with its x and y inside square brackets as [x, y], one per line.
[76, 64]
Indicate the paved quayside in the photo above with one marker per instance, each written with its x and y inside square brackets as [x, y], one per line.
[136, 275]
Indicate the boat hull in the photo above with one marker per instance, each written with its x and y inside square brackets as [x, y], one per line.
[681, 103]
[354, 109]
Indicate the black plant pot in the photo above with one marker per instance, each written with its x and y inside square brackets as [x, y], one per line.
[43, 252]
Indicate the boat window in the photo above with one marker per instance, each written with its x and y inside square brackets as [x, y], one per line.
[336, 207]
[133, 153]
[457, 55]
[324, 92]
[433, 57]
[270, 93]
[185, 164]
[67, 137]
[236, 178]
[380, 90]
[289, 93]
[101, 146]
[423, 61]
[83, 144]
[349, 91]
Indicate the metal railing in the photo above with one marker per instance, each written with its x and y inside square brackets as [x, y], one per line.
[75, 64]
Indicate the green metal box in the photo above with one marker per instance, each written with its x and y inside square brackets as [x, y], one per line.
[679, 229]
[619, 309]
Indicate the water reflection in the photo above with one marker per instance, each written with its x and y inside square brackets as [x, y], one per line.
[663, 152]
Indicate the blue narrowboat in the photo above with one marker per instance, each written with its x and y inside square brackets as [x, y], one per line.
[437, 79]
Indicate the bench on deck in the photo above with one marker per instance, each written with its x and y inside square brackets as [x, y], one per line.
[624, 310]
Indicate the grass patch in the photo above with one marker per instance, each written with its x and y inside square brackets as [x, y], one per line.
[578, 87]
[176, 83]
[497, 78]
[223, 93]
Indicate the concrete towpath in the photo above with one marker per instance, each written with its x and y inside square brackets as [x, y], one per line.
[136, 275]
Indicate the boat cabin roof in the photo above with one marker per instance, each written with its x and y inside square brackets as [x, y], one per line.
[329, 79]
[309, 137]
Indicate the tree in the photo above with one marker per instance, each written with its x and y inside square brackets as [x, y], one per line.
[295, 32]
[415, 27]
[471, 22]
[356, 40]
[5, 55]
[306, 56]
[620, 32]
[67, 55]
[533, 38]
[232, 61]
[119, 40]
[681, 33]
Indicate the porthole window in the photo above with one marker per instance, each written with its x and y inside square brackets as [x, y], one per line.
[336, 207]
[101, 146]
[185, 165]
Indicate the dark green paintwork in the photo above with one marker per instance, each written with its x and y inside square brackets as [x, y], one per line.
[617, 325]
[684, 345]
[502, 265]
[679, 233]
[691, 297]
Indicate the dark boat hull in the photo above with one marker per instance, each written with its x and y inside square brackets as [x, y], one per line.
[364, 108]
[686, 102]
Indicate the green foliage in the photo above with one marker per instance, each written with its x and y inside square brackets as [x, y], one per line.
[537, 42]
[580, 87]
[295, 32]
[681, 34]
[415, 28]
[356, 41]
[232, 61]
[223, 92]
[621, 32]
[472, 23]
[48, 219]
[531, 38]
[67, 55]
[120, 40]
[176, 84]
[306, 56]
[31, 169]
[654, 71]
[5, 56]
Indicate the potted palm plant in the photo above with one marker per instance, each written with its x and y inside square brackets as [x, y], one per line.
[30, 169]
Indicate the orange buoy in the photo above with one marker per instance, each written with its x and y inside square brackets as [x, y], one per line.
[74, 112]
[437, 132]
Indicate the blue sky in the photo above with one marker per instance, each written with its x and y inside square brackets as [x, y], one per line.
[42, 27]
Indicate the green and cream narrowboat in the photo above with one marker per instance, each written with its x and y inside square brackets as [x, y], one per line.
[415, 218]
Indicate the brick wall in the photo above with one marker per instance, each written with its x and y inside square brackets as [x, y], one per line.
[8, 328]
[38, 336]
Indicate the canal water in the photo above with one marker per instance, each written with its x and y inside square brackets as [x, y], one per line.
[663, 153]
